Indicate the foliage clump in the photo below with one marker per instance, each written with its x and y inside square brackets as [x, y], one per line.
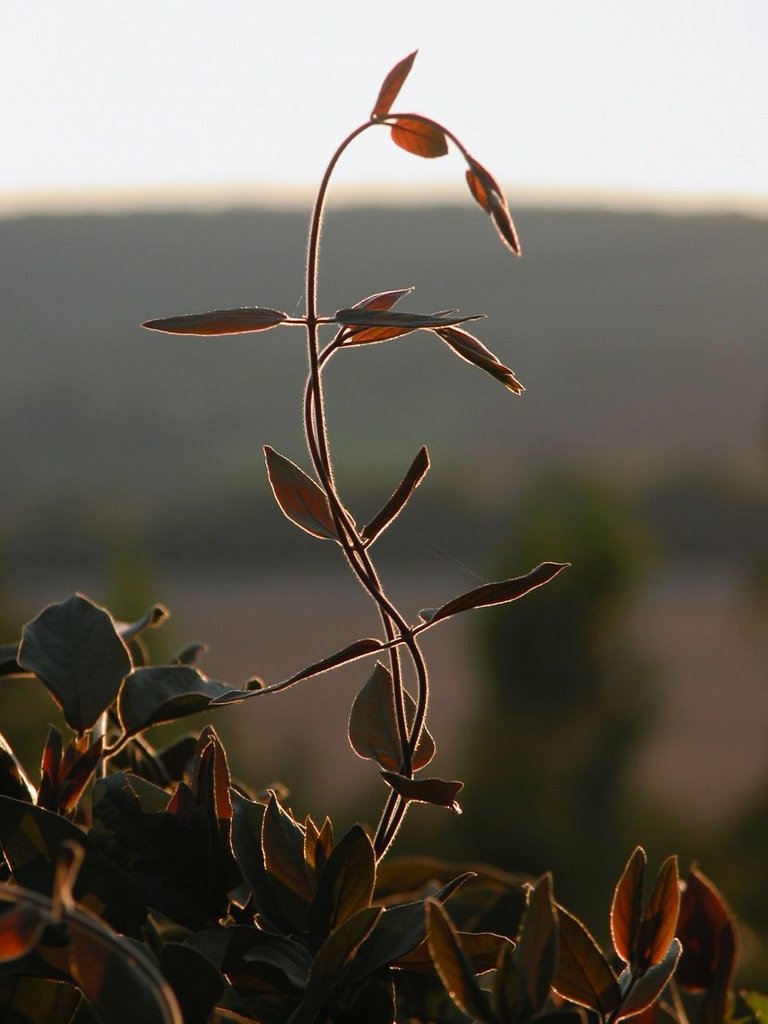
[145, 884]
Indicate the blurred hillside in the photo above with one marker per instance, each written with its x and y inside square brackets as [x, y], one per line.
[641, 339]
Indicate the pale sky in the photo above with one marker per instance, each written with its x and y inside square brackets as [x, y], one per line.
[658, 95]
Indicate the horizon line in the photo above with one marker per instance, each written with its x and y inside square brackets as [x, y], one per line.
[212, 197]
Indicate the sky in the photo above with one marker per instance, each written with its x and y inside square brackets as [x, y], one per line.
[161, 96]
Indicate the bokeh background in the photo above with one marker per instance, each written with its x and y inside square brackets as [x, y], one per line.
[159, 159]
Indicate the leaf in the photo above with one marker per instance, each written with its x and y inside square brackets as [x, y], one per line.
[428, 791]
[391, 86]
[332, 960]
[536, 951]
[196, 983]
[627, 906]
[164, 694]
[470, 349]
[659, 922]
[75, 651]
[9, 665]
[244, 320]
[714, 1006]
[31, 838]
[495, 593]
[373, 724]
[358, 649]
[703, 916]
[583, 974]
[247, 826]
[13, 778]
[452, 965]
[648, 986]
[489, 194]
[299, 497]
[482, 950]
[345, 884]
[151, 619]
[400, 496]
[376, 325]
[383, 300]
[20, 928]
[508, 989]
[423, 138]
[282, 841]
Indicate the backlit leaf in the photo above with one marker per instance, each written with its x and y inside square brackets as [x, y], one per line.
[151, 619]
[659, 922]
[300, 498]
[332, 960]
[627, 906]
[496, 593]
[74, 649]
[380, 324]
[13, 778]
[244, 320]
[164, 693]
[373, 725]
[537, 948]
[489, 194]
[399, 497]
[428, 791]
[392, 85]
[648, 986]
[703, 916]
[20, 928]
[419, 137]
[282, 841]
[467, 347]
[452, 965]
[383, 300]
[583, 975]
[482, 950]
[345, 884]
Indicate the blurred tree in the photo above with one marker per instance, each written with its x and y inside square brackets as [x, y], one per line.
[567, 697]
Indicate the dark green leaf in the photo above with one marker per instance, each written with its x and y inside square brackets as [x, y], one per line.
[332, 961]
[468, 348]
[244, 320]
[196, 984]
[373, 730]
[583, 975]
[164, 694]
[283, 844]
[537, 949]
[391, 86]
[74, 649]
[421, 138]
[9, 665]
[31, 838]
[452, 965]
[649, 986]
[247, 825]
[345, 884]
[496, 593]
[299, 497]
[428, 791]
[151, 619]
[400, 496]
[627, 906]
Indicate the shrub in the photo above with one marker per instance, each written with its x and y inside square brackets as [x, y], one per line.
[146, 885]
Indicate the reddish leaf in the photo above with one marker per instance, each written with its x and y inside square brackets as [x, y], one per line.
[419, 137]
[373, 730]
[245, 320]
[473, 351]
[20, 928]
[396, 503]
[715, 1003]
[495, 593]
[659, 922]
[648, 986]
[482, 950]
[704, 915]
[627, 906]
[375, 325]
[537, 949]
[282, 841]
[452, 965]
[383, 300]
[427, 791]
[583, 974]
[299, 497]
[391, 86]
[489, 194]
